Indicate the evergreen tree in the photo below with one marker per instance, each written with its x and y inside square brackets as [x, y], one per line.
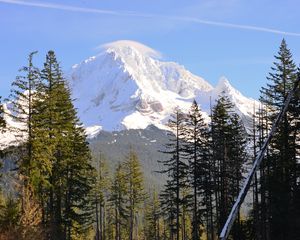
[136, 195]
[176, 170]
[169, 209]
[117, 200]
[63, 167]
[282, 161]
[229, 155]
[220, 138]
[79, 177]
[254, 216]
[237, 160]
[100, 196]
[22, 110]
[198, 155]
[153, 217]
[110, 219]
[9, 214]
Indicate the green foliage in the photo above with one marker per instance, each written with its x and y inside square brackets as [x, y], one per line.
[100, 195]
[153, 228]
[62, 147]
[64, 197]
[23, 94]
[229, 156]
[55, 158]
[135, 187]
[280, 170]
[146, 142]
[118, 201]
[197, 152]
[9, 213]
[176, 169]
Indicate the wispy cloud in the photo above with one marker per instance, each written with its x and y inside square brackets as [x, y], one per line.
[239, 26]
[60, 7]
[142, 15]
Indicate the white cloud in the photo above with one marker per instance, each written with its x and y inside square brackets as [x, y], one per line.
[139, 46]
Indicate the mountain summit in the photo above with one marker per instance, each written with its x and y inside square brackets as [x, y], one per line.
[127, 86]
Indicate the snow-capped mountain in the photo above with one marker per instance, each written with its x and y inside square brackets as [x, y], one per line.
[127, 86]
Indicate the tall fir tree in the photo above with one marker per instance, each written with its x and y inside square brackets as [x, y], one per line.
[78, 175]
[153, 217]
[22, 110]
[176, 170]
[23, 94]
[229, 156]
[260, 211]
[136, 194]
[220, 136]
[237, 159]
[100, 195]
[198, 154]
[64, 168]
[169, 209]
[117, 200]
[282, 161]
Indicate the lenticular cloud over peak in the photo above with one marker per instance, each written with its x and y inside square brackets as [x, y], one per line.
[123, 45]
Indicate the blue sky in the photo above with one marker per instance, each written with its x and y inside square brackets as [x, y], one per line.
[211, 38]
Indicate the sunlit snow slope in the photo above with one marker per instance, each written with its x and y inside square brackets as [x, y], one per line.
[127, 86]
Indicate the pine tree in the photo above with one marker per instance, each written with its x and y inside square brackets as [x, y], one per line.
[176, 170]
[48, 126]
[117, 200]
[254, 216]
[136, 195]
[64, 170]
[79, 177]
[198, 155]
[169, 209]
[281, 163]
[238, 158]
[262, 213]
[220, 137]
[100, 196]
[9, 218]
[153, 217]
[229, 155]
[22, 111]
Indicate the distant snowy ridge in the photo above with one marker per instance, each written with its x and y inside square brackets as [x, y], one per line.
[127, 86]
